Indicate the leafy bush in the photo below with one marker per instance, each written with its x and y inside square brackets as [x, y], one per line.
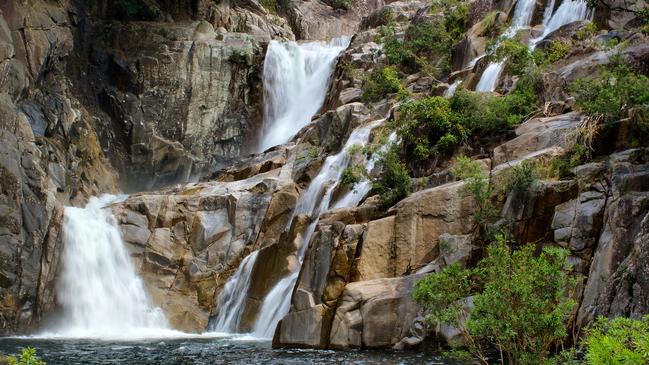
[557, 50]
[523, 100]
[521, 178]
[618, 341]
[381, 82]
[428, 43]
[513, 52]
[27, 357]
[393, 183]
[613, 93]
[519, 301]
[476, 183]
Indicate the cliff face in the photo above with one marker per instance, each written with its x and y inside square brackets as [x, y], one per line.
[93, 102]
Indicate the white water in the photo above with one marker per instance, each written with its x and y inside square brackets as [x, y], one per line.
[99, 290]
[232, 299]
[362, 188]
[452, 88]
[314, 201]
[296, 79]
[568, 12]
[522, 18]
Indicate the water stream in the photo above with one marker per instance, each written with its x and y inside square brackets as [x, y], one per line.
[316, 200]
[296, 79]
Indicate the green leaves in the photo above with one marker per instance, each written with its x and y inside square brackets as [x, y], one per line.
[613, 93]
[380, 82]
[27, 357]
[518, 298]
[618, 341]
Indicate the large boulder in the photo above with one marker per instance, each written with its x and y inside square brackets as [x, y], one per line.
[375, 313]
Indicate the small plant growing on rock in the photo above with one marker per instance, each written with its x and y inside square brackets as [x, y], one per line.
[394, 182]
[27, 357]
[476, 182]
[522, 178]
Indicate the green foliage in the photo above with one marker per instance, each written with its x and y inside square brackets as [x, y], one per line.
[519, 301]
[27, 357]
[492, 27]
[587, 31]
[381, 82]
[476, 183]
[427, 44]
[270, 5]
[394, 183]
[521, 178]
[618, 341]
[523, 100]
[342, 4]
[239, 57]
[513, 52]
[613, 93]
[556, 51]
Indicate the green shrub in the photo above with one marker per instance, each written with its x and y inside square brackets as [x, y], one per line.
[381, 82]
[427, 44]
[618, 341]
[476, 183]
[513, 52]
[523, 100]
[521, 178]
[519, 301]
[393, 183]
[27, 357]
[613, 93]
[342, 4]
[557, 50]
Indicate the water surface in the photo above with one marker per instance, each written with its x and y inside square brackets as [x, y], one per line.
[201, 351]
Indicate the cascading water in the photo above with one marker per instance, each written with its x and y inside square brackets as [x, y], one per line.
[296, 78]
[314, 201]
[452, 88]
[569, 11]
[521, 18]
[99, 289]
[232, 300]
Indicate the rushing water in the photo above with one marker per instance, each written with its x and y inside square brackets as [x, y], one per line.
[232, 300]
[99, 290]
[202, 351]
[568, 12]
[313, 202]
[522, 17]
[296, 79]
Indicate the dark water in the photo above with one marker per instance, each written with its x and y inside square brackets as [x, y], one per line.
[202, 351]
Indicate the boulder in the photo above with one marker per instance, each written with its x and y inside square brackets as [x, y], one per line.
[375, 313]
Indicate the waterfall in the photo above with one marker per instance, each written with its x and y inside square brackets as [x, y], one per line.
[451, 89]
[232, 300]
[296, 79]
[547, 13]
[362, 188]
[568, 12]
[490, 76]
[521, 18]
[99, 290]
[314, 201]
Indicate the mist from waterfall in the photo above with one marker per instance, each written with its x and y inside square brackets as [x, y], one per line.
[99, 290]
[315, 201]
[296, 79]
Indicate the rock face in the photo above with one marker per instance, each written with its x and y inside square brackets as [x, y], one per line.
[187, 241]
